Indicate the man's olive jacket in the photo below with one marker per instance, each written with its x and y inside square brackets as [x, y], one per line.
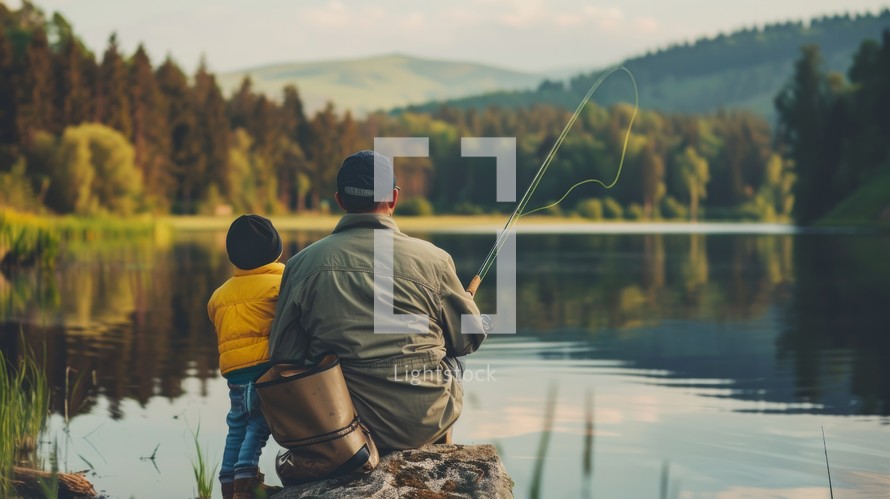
[399, 383]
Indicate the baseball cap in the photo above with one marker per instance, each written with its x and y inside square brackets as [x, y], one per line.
[356, 177]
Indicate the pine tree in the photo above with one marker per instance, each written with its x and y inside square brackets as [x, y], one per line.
[8, 100]
[804, 107]
[213, 129]
[292, 177]
[72, 64]
[746, 148]
[323, 153]
[264, 126]
[869, 148]
[187, 163]
[241, 105]
[348, 134]
[35, 110]
[114, 107]
[293, 116]
[151, 132]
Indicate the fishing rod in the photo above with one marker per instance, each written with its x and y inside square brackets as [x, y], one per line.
[533, 186]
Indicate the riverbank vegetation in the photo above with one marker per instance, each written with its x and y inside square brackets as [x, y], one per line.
[24, 408]
[28, 239]
[202, 469]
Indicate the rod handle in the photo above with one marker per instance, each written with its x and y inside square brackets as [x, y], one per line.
[474, 285]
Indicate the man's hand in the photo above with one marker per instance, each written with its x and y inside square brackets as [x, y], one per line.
[474, 285]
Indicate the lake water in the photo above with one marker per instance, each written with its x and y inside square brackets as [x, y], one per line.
[648, 364]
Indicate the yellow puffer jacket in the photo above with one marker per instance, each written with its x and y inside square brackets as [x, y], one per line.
[242, 310]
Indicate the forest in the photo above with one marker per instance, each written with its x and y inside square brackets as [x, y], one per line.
[742, 69]
[117, 134]
[835, 128]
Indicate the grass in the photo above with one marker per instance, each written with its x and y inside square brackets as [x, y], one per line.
[868, 206]
[27, 246]
[24, 405]
[205, 476]
[36, 240]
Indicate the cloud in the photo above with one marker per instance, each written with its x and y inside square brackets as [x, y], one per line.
[330, 15]
[414, 21]
[609, 18]
[523, 15]
[525, 34]
[460, 16]
[335, 15]
[526, 14]
[604, 18]
[567, 20]
[47, 6]
[646, 24]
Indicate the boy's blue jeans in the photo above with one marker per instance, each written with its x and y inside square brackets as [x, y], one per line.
[247, 435]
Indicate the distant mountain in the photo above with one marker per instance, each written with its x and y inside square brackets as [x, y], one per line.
[383, 82]
[744, 69]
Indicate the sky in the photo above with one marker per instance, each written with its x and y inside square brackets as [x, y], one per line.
[529, 35]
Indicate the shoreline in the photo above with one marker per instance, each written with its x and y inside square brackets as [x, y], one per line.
[487, 224]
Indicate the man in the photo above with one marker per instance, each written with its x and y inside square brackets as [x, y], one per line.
[406, 386]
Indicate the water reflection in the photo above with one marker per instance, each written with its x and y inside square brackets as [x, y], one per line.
[799, 320]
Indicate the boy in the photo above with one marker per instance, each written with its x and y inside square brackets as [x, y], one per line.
[242, 310]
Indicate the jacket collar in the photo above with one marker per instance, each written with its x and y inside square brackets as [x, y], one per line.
[365, 221]
[269, 268]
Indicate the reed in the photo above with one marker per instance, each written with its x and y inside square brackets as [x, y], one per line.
[73, 401]
[543, 444]
[27, 246]
[24, 405]
[827, 466]
[205, 475]
[587, 456]
[49, 487]
[35, 240]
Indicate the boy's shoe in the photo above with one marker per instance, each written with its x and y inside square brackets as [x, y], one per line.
[228, 489]
[245, 488]
[268, 489]
[254, 488]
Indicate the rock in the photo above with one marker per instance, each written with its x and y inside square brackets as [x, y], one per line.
[431, 472]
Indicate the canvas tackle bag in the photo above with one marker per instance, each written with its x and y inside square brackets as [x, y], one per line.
[311, 415]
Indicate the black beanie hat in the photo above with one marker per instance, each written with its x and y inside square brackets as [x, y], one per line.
[252, 242]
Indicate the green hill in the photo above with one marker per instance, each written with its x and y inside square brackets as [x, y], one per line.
[744, 69]
[383, 82]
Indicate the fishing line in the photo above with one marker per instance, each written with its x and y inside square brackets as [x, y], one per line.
[517, 213]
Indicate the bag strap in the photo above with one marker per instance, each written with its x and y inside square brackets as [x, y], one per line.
[324, 437]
